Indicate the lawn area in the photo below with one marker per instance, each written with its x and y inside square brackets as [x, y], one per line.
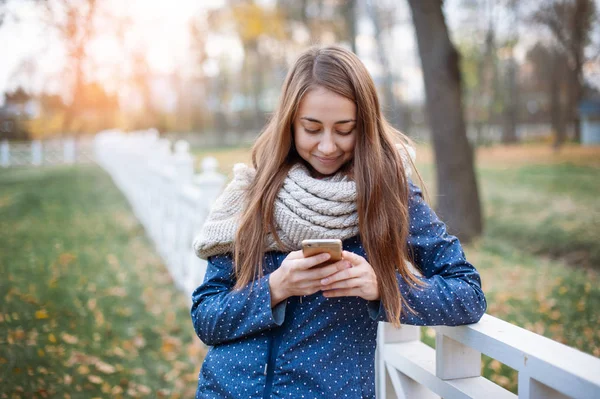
[87, 309]
[539, 256]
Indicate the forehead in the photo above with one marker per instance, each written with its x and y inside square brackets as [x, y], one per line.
[325, 106]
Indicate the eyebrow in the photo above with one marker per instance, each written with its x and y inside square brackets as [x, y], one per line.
[336, 123]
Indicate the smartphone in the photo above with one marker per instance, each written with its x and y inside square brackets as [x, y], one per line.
[318, 246]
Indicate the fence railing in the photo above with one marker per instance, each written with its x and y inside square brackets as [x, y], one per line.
[172, 202]
[167, 196]
[51, 152]
[408, 368]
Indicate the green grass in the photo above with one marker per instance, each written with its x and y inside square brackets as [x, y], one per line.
[87, 309]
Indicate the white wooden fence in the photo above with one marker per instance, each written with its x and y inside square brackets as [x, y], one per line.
[172, 203]
[166, 195]
[407, 368]
[50, 152]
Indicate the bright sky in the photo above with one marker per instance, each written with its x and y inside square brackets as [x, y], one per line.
[158, 27]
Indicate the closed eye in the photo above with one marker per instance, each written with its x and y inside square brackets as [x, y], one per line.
[344, 133]
[311, 131]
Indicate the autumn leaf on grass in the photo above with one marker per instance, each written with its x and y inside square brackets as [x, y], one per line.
[95, 379]
[69, 339]
[66, 258]
[41, 314]
[170, 344]
[104, 367]
[116, 291]
[139, 341]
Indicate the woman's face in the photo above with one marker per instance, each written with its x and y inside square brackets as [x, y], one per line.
[325, 130]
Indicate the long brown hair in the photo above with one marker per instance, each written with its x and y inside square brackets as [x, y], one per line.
[378, 170]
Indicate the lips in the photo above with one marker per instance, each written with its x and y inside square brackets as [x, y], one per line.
[329, 160]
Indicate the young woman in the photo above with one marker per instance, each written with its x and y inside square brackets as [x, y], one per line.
[327, 165]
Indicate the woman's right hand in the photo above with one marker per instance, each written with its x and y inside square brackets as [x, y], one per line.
[298, 275]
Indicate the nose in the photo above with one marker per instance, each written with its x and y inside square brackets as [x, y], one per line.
[327, 144]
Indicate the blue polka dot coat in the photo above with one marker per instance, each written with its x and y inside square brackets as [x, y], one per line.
[317, 347]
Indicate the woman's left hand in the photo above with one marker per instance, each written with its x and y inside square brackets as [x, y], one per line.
[359, 280]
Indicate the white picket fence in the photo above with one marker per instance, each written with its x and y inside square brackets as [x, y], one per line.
[50, 152]
[172, 202]
[166, 195]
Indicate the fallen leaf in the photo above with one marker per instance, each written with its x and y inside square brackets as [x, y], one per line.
[41, 314]
[116, 291]
[95, 379]
[52, 338]
[66, 258]
[144, 389]
[104, 367]
[69, 339]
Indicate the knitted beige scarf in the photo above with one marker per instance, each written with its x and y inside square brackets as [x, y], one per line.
[305, 207]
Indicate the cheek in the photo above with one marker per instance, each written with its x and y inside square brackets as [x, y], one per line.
[303, 142]
[349, 145]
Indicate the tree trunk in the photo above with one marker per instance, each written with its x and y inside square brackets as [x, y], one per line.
[509, 130]
[556, 110]
[458, 203]
[391, 109]
[349, 10]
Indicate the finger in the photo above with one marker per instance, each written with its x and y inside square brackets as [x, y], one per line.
[352, 257]
[349, 283]
[295, 255]
[328, 270]
[312, 261]
[341, 275]
[341, 292]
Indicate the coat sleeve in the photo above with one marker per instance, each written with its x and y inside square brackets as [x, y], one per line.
[452, 293]
[221, 314]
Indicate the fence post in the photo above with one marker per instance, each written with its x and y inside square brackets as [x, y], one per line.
[210, 180]
[391, 383]
[455, 360]
[36, 152]
[69, 150]
[5, 154]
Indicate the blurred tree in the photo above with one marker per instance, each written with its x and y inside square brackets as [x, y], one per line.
[551, 73]
[197, 102]
[142, 80]
[349, 12]
[570, 22]
[13, 122]
[511, 102]
[458, 196]
[258, 27]
[51, 103]
[18, 97]
[382, 15]
[326, 22]
[74, 22]
[3, 11]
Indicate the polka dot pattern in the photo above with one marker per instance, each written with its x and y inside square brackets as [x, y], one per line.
[322, 347]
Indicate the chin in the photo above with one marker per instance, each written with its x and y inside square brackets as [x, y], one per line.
[321, 171]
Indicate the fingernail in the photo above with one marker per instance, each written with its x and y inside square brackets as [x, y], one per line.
[324, 281]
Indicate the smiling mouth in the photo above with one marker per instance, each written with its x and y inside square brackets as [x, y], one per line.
[327, 160]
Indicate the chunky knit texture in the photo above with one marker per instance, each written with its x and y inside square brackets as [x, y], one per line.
[306, 207]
